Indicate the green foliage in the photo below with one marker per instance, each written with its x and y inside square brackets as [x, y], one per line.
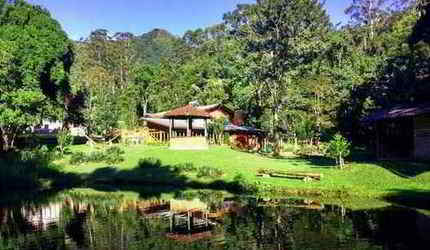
[216, 128]
[338, 149]
[154, 46]
[112, 155]
[35, 59]
[24, 169]
[185, 167]
[38, 157]
[149, 162]
[78, 158]
[209, 172]
[243, 185]
[64, 140]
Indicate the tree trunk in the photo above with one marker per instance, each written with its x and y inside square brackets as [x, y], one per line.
[145, 107]
[5, 143]
[341, 161]
[8, 138]
[276, 136]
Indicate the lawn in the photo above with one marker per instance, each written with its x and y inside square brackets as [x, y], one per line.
[359, 180]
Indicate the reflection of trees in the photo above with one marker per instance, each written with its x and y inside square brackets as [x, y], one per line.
[115, 223]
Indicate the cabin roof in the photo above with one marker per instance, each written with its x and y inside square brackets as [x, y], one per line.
[398, 112]
[216, 106]
[187, 111]
[201, 111]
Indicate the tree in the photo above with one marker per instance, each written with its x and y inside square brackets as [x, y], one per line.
[280, 36]
[367, 12]
[35, 59]
[216, 127]
[64, 140]
[339, 148]
[146, 84]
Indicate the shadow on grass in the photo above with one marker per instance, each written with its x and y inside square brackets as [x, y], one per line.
[405, 169]
[419, 199]
[149, 178]
[153, 179]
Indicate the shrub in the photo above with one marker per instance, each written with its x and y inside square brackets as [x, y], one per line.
[216, 128]
[114, 155]
[149, 162]
[226, 139]
[209, 172]
[96, 156]
[267, 149]
[307, 149]
[64, 140]
[338, 148]
[39, 157]
[185, 167]
[78, 158]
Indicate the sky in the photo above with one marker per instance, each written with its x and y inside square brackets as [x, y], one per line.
[79, 17]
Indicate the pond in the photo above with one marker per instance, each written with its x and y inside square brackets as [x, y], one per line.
[204, 220]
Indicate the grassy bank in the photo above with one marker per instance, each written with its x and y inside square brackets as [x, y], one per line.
[359, 180]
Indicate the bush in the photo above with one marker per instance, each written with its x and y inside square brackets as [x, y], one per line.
[307, 149]
[267, 149]
[78, 158]
[39, 157]
[149, 162]
[96, 156]
[185, 167]
[114, 155]
[338, 149]
[226, 139]
[209, 172]
[64, 140]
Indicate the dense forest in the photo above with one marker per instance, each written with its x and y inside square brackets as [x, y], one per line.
[292, 71]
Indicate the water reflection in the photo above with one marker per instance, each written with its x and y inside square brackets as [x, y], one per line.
[206, 220]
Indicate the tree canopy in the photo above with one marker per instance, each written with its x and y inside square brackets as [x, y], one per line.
[36, 57]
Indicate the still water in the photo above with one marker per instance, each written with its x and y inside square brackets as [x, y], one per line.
[205, 220]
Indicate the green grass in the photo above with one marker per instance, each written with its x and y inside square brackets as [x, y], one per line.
[359, 180]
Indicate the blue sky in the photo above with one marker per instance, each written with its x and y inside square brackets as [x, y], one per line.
[80, 17]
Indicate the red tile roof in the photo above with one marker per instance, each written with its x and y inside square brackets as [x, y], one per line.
[187, 111]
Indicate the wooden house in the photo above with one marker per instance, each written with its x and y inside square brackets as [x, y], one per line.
[402, 132]
[192, 121]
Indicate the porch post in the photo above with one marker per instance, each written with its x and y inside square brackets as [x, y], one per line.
[189, 127]
[170, 127]
[206, 127]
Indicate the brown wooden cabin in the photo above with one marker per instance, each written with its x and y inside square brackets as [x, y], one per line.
[191, 121]
[402, 133]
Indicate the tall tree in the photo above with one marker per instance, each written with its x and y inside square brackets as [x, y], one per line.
[280, 36]
[36, 59]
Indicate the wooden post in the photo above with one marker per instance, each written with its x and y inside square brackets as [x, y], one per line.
[189, 127]
[189, 221]
[172, 222]
[206, 128]
[170, 127]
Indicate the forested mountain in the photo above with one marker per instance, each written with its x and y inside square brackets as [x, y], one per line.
[151, 47]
